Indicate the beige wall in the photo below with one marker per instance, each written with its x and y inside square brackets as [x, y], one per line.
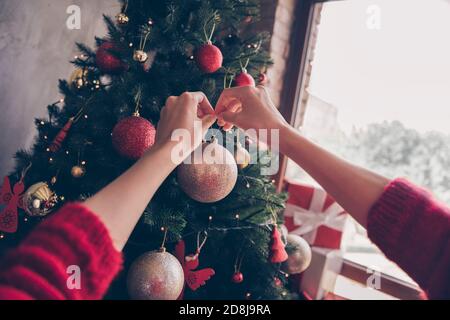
[35, 47]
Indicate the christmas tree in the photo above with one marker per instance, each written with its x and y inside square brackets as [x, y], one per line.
[108, 119]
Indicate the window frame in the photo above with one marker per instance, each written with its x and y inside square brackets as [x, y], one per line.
[293, 110]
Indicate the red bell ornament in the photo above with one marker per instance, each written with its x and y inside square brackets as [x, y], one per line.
[278, 252]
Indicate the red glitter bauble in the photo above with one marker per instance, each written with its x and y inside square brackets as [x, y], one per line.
[238, 277]
[209, 58]
[244, 79]
[106, 61]
[133, 136]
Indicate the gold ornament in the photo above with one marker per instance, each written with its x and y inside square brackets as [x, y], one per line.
[155, 275]
[122, 19]
[242, 157]
[79, 78]
[78, 171]
[211, 175]
[39, 200]
[300, 258]
[140, 56]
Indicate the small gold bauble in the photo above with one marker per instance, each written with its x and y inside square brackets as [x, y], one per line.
[140, 56]
[155, 275]
[78, 79]
[39, 200]
[242, 157]
[78, 171]
[122, 19]
[300, 258]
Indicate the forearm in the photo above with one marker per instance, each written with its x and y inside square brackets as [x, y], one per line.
[354, 188]
[121, 204]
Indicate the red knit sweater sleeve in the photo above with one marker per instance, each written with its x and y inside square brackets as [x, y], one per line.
[413, 230]
[42, 266]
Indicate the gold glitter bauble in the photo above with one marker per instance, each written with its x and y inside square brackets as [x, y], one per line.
[78, 172]
[140, 56]
[155, 275]
[299, 259]
[39, 200]
[122, 19]
[211, 175]
[78, 79]
[242, 157]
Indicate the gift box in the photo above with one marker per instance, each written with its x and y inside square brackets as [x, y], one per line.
[320, 278]
[314, 215]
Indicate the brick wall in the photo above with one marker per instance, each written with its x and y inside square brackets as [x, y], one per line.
[277, 17]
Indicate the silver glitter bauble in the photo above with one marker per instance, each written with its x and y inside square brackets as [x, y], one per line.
[155, 275]
[300, 259]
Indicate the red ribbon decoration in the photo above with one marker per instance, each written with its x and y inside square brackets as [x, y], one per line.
[61, 136]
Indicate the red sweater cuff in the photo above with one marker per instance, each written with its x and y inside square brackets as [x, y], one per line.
[412, 229]
[74, 236]
[390, 214]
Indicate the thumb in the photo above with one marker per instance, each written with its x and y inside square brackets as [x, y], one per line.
[228, 116]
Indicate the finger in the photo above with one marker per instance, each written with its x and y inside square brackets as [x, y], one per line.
[229, 117]
[226, 96]
[208, 121]
[228, 127]
[203, 103]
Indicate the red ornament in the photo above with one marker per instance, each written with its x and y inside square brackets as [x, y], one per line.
[133, 136]
[61, 136]
[238, 277]
[9, 218]
[194, 279]
[263, 79]
[244, 79]
[106, 61]
[278, 252]
[209, 58]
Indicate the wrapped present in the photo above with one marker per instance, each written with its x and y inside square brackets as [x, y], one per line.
[314, 215]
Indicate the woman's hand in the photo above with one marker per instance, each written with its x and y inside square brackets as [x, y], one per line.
[190, 115]
[248, 108]
[121, 203]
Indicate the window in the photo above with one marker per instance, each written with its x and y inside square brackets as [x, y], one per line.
[376, 91]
